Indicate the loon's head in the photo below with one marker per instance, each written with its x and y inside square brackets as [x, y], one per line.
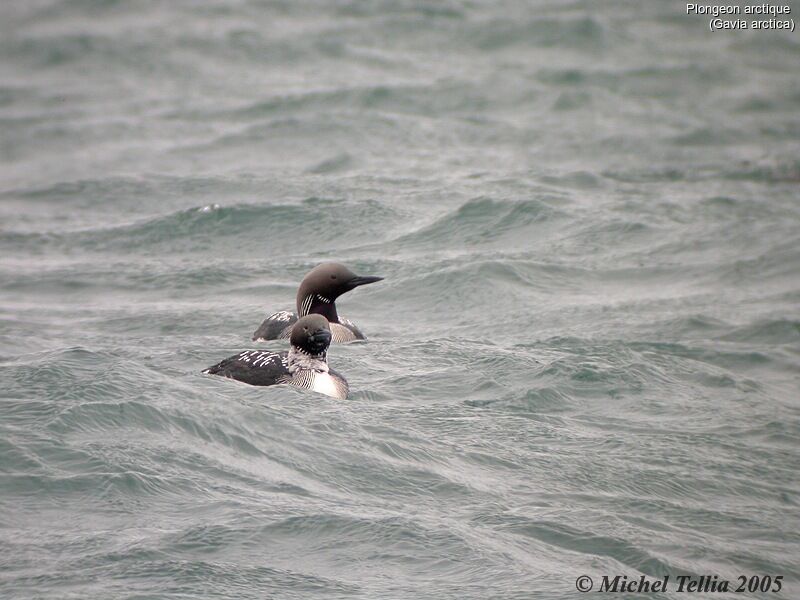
[311, 335]
[323, 285]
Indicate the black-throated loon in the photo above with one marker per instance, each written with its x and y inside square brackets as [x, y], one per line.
[304, 365]
[317, 295]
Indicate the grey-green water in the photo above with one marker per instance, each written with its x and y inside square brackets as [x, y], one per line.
[583, 359]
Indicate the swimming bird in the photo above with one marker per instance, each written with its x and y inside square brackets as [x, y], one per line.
[305, 365]
[317, 295]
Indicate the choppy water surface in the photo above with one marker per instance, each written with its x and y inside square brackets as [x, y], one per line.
[583, 359]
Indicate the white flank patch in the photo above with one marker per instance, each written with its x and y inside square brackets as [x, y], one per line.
[325, 384]
[340, 333]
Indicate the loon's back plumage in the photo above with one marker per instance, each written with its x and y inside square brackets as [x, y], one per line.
[278, 326]
[256, 367]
